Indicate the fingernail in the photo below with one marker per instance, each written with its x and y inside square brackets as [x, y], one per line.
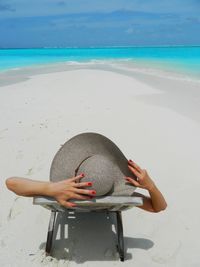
[91, 197]
[82, 174]
[73, 204]
[90, 184]
[130, 160]
[94, 192]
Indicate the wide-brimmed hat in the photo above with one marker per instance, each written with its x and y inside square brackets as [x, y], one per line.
[99, 159]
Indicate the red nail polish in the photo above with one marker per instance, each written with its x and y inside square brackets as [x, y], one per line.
[94, 192]
[91, 197]
[90, 184]
[82, 174]
[130, 160]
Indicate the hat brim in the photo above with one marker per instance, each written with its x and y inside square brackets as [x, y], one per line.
[85, 145]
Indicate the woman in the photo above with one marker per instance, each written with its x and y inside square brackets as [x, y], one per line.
[73, 188]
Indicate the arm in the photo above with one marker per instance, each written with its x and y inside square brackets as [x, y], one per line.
[62, 191]
[155, 202]
[27, 187]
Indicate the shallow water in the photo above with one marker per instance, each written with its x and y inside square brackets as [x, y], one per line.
[185, 60]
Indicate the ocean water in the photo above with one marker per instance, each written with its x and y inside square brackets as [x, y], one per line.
[185, 59]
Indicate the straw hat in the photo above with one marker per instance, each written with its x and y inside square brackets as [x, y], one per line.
[99, 159]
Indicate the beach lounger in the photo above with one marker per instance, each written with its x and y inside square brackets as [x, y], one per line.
[114, 204]
[103, 164]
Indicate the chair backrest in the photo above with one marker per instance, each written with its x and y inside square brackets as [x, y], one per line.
[109, 203]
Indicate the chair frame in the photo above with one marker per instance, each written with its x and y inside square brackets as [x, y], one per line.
[116, 206]
[119, 230]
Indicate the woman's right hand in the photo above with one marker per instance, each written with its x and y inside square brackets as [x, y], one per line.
[70, 188]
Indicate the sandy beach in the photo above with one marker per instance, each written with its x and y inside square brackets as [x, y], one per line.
[154, 119]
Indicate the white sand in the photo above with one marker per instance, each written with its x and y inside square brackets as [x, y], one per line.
[151, 125]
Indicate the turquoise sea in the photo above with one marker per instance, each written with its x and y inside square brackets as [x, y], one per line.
[183, 59]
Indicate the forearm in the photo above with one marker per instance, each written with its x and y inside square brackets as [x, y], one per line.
[27, 187]
[157, 199]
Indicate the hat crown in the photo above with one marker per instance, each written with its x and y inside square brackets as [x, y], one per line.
[101, 171]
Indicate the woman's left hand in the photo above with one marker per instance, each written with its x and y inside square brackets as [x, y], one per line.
[143, 179]
[156, 201]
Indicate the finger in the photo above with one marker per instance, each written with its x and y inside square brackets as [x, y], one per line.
[134, 171]
[83, 184]
[77, 196]
[132, 181]
[76, 178]
[133, 164]
[68, 204]
[84, 191]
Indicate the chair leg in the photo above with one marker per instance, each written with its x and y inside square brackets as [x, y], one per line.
[120, 237]
[50, 232]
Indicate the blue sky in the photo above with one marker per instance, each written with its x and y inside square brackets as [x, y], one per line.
[82, 23]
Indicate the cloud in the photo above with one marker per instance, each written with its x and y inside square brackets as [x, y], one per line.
[193, 19]
[130, 30]
[35, 8]
[129, 21]
[61, 3]
[82, 25]
[5, 7]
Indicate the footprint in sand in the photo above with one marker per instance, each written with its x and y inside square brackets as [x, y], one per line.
[169, 254]
[43, 125]
[2, 244]
[2, 132]
[30, 171]
[16, 208]
[35, 169]
[20, 154]
[39, 168]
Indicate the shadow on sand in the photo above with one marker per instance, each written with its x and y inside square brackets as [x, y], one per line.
[90, 236]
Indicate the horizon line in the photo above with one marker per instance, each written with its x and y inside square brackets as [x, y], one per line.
[98, 47]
